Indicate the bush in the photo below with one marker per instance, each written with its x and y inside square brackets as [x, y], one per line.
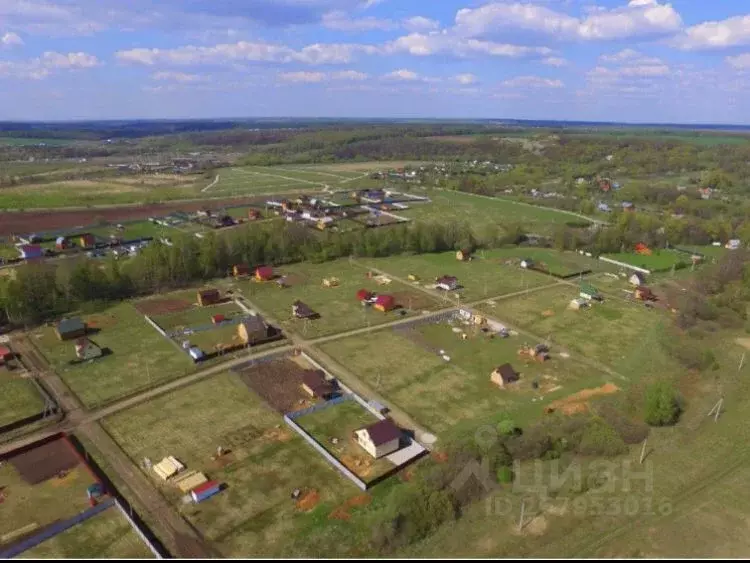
[600, 439]
[505, 475]
[507, 427]
[630, 431]
[662, 406]
[532, 444]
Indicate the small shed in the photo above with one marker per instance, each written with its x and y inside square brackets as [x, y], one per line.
[87, 241]
[364, 295]
[208, 297]
[379, 439]
[252, 330]
[385, 303]
[218, 319]
[204, 491]
[316, 385]
[196, 353]
[578, 303]
[87, 350]
[68, 329]
[240, 270]
[637, 279]
[463, 255]
[264, 273]
[448, 283]
[168, 467]
[504, 375]
[61, 243]
[302, 311]
[589, 292]
[5, 355]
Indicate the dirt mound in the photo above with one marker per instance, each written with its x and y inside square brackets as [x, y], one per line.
[308, 501]
[278, 434]
[342, 512]
[162, 306]
[578, 402]
[359, 465]
[440, 457]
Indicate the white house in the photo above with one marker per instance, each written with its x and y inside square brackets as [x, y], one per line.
[447, 283]
[733, 244]
[379, 439]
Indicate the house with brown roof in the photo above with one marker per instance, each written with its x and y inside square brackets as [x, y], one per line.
[316, 385]
[447, 283]
[302, 311]
[643, 293]
[240, 270]
[263, 273]
[379, 439]
[252, 330]
[208, 297]
[463, 255]
[504, 375]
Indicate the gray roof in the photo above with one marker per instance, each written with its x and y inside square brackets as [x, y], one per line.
[67, 326]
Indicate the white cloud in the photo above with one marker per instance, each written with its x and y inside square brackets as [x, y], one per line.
[50, 59]
[349, 75]
[341, 21]
[740, 62]
[310, 77]
[403, 75]
[532, 82]
[11, 39]
[465, 79]
[46, 18]
[422, 45]
[181, 77]
[228, 53]
[637, 18]
[630, 56]
[48, 63]
[554, 61]
[420, 23]
[730, 32]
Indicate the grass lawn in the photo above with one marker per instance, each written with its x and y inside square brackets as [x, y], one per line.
[197, 316]
[660, 260]
[442, 395]
[107, 535]
[556, 262]
[8, 251]
[340, 421]
[338, 307]
[709, 251]
[134, 230]
[209, 340]
[480, 278]
[19, 397]
[481, 212]
[41, 504]
[254, 515]
[140, 357]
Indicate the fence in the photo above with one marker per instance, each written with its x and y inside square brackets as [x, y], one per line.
[624, 265]
[319, 407]
[137, 528]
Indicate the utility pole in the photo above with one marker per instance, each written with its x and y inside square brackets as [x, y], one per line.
[520, 520]
[643, 451]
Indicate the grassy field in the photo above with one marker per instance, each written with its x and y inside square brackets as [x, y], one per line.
[197, 316]
[555, 262]
[8, 251]
[41, 504]
[340, 421]
[19, 398]
[709, 251]
[133, 230]
[105, 536]
[443, 395]
[480, 278]
[139, 358]
[481, 212]
[338, 307]
[660, 260]
[701, 138]
[255, 514]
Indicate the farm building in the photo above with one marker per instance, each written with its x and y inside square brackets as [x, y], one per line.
[252, 330]
[190, 480]
[379, 439]
[385, 303]
[87, 241]
[30, 251]
[240, 270]
[316, 385]
[578, 303]
[302, 311]
[196, 353]
[364, 295]
[264, 273]
[589, 292]
[168, 467]
[87, 350]
[463, 255]
[644, 293]
[5, 355]
[208, 297]
[68, 329]
[504, 375]
[637, 279]
[448, 283]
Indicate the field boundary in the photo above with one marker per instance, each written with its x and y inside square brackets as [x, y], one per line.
[624, 265]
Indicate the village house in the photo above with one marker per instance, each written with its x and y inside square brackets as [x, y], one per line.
[637, 279]
[207, 297]
[302, 311]
[5, 355]
[463, 255]
[252, 330]
[447, 283]
[628, 206]
[61, 243]
[253, 215]
[379, 439]
[364, 295]
[68, 329]
[385, 303]
[527, 263]
[240, 270]
[504, 375]
[87, 241]
[316, 385]
[578, 303]
[264, 273]
[87, 350]
[30, 251]
[643, 293]
[733, 244]
[589, 292]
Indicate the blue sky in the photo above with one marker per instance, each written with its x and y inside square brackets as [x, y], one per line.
[684, 61]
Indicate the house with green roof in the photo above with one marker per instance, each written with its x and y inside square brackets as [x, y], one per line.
[589, 292]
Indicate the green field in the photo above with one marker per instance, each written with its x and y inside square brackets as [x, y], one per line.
[254, 515]
[709, 251]
[480, 278]
[339, 422]
[105, 536]
[133, 230]
[140, 357]
[19, 397]
[8, 251]
[659, 261]
[338, 307]
[555, 262]
[28, 505]
[443, 395]
[700, 138]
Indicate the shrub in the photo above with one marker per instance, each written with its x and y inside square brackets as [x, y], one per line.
[507, 427]
[662, 406]
[532, 444]
[600, 438]
[630, 431]
[505, 475]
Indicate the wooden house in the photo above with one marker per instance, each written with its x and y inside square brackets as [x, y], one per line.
[385, 303]
[379, 439]
[643, 293]
[463, 255]
[263, 273]
[68, 329]
[447, 283]
[504, 375]
[315, 384]
[302, 311]
[240, 270]
[207, 297]
[252, 330]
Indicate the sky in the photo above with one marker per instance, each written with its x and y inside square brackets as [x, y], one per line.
[684, 61]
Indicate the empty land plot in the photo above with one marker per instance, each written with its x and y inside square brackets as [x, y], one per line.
[617, 333]
[439, 394]
[481, 212]
[562, 264]
[132, 231]
[479, 278]
[338, 307]
[660, 260]
[138, 358]
[266, 462]
[107, 535]
[278, 383]
[197, 316]
[19, 398]
[338, 422]
[260, 180]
